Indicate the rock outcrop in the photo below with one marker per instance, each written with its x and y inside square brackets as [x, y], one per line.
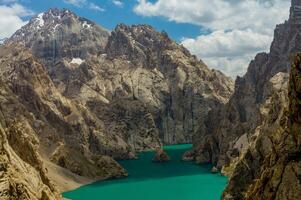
[161, 156]
[271, 167]
[229, 129]
[22, 174]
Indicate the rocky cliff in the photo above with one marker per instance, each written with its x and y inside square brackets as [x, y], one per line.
[59, 123]
[270, 168]
[133, 62]
[229, 129]
[90, 96]
[22, 173]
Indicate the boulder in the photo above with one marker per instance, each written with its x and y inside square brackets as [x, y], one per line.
[214, 170]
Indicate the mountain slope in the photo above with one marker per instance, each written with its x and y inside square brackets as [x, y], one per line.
[136, 62]
[53, 119]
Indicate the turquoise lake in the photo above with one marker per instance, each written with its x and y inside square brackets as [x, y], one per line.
[157, 181]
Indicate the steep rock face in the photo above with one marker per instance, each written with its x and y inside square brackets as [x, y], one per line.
[64, 128]
[133, 62]
[271, 166]
[178, 89]
[22, 173]
[236, 122]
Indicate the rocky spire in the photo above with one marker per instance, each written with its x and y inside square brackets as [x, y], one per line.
[295, 11]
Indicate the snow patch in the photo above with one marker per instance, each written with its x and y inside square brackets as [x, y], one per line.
[86, 25]
[77, 61]
[55, 27]
[40, 20]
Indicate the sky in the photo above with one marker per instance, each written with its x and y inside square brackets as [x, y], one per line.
[225, 34]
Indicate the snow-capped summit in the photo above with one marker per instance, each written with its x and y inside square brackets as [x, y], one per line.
[59, 33]
[48, 23]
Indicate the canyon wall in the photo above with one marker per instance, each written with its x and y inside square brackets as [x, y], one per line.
[270, 168]
[229, 129]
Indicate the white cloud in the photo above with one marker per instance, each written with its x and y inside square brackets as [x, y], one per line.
[11, 18]
[228, 51]
[77, 3]
[117, 3]
[240, 29]
[95, 7]
[228, 43]
[85, 4]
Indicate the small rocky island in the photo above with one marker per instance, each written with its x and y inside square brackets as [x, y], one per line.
[161, 156]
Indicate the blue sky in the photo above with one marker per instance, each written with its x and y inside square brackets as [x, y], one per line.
[225, 34]
[112, 14]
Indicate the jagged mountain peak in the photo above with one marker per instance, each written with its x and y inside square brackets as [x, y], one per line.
[60, 33]
[139, 29]
[54, 22]
[141, 33]
[141, 43]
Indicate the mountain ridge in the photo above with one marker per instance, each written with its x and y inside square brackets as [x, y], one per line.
[92, 97]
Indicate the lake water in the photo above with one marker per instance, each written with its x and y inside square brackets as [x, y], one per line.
[174, 180]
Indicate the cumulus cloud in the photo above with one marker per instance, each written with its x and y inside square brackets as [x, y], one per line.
[11, 18]
[239, 29]
[117, 3]
[228, 51]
